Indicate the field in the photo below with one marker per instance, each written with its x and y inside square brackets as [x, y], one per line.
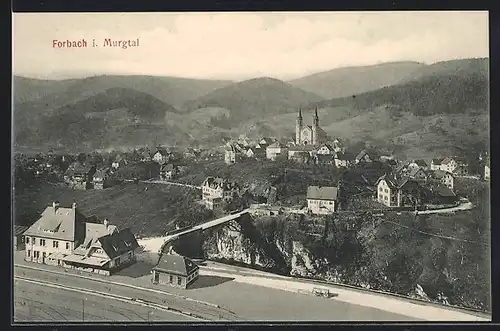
[149, 209]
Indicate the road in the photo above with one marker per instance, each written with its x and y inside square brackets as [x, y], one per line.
[158, 181]
[199, 310]
[39, 303]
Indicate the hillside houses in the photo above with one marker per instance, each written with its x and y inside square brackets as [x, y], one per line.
[276, 150]
[62, 236]
[100, 178]
[231, 155]
[162, 155]
[322, 200]
[79, 176]
[449, 164]
[397, 192]
[443, 177]
[363, 157]
[168, 171]
[216, 190]
[256, 153]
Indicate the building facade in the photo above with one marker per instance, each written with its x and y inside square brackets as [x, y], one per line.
[309, 135]
[216, 190]
[276, 150]
[322, 200]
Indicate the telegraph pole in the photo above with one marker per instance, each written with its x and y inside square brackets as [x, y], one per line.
[83, 310]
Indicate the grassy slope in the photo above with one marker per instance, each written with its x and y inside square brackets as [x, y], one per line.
[149, 212]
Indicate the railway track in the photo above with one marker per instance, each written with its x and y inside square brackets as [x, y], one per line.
[109, 295]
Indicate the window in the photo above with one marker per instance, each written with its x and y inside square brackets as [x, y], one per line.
[34, 241]
[55, 244]
[28, 252]
[36, 254]
[380, 196]
[179, 280]
[42, 242]
[385, 197]
[380, 189]
[386, 190]
[171, 279]
[67, 245]
[27, 240]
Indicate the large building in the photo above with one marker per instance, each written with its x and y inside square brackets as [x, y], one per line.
[215, 190]
[62, 236]
[309, 135]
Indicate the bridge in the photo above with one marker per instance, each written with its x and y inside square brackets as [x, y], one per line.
[207, 225]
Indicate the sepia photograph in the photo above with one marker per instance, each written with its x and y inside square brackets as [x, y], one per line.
[251, 167]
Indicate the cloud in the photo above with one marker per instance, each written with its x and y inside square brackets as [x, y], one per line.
[244, 45]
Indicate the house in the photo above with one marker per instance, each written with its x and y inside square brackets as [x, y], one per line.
[216, 190]
[230, 154]
[447, 164]
[19, 237]
[398, 191]
[325, 159]
[55, 234]
[264, 142]
[325, 149]
[444, 177]
[190, 153]
[162, 155]
[443, 195]
[146, 156]
[99, 179]
[276, 149]
[418, 164]
[79, 176]
[119, 161]
[168, 171]
[362, 157]
[253, 152]
[104, 250]
[322, 200]
[175, 270]
[301, 157]
[411, 172]
[487, 169]
[308, 149]
[343, 160]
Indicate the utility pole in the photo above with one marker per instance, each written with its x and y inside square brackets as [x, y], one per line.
[83, 310]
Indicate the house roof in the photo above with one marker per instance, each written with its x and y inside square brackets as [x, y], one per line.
[176, 264]
[230, 148]
[79, 168]
[393, 181]
[302, 148]
[322, 193]
[19, 229]
[330, 147]
[167, 167]
[420, 163]
[361, 155]
[217, 182]
[412, 172]
[436, 161]
[162, 150]
[277, 145]
[438, 174]
[56, 222]
[118, 243]
[447, 160]
[101, 173]
[345, 156]
[325, 157]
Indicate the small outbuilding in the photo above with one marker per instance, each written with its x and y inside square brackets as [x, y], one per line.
[175, 270]
[18, 237]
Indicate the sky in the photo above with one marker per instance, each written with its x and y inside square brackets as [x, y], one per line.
[241, 45]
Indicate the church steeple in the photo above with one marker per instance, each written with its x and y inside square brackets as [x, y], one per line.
[315, 127]
[298, 126]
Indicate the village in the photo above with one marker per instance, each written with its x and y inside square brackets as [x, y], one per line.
[63, 236]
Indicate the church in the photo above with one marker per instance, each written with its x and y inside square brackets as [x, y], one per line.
[309, 135]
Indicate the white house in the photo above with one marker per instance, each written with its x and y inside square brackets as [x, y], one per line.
[325, 149]
[389, 191]
[161, 155]
[322, 200]
[487, 171]
[443, 177]
[216, 190]
[301, 149]
[230, 154]
[447, 164]
[276, 149]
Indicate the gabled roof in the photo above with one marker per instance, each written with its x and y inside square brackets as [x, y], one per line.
[412, 172]
[57, 223]
[438, 174]
[436, 161]
[162, 150]
[361, 155]
[19, 229]
[118, 243]
[175, 264]
[101, 173]
[322, 193]
[447, 160]
[392, 181]
[327, 146]
[217, 182]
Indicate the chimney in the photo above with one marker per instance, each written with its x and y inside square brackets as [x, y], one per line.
[74, 205]
[106, 223]
[55, 205]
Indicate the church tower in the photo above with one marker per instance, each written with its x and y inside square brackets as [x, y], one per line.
[298, 127]
[315, 127]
